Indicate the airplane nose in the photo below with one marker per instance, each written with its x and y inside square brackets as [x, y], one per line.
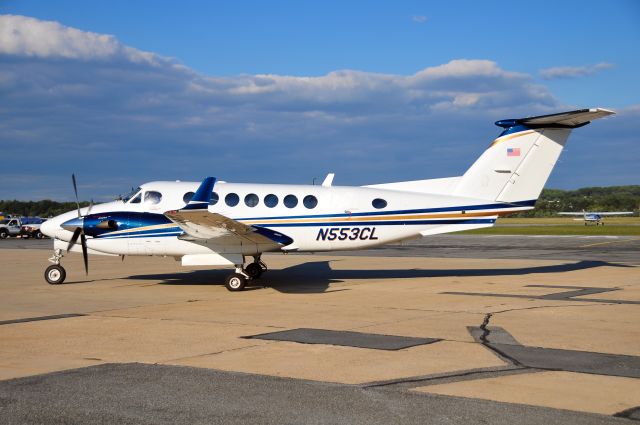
[48, 228]
[73, 224]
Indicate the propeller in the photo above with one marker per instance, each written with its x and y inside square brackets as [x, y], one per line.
[78, 232]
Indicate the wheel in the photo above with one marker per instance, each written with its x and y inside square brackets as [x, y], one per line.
[235, 282]
[4, 233]
[37, 234]
[254, 270]
[55, 274]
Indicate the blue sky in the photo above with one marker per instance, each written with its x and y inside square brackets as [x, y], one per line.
[398, 90]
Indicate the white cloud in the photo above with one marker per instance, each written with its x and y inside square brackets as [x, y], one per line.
[573, 71]
[420, 19]
[25, 36]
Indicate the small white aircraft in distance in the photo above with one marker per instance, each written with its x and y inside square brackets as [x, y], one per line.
[595, 217]
[215, 223]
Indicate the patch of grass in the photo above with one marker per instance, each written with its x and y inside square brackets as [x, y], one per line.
[571, 229]
[565, 220]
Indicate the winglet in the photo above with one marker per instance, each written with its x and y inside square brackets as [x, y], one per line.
[202, 197]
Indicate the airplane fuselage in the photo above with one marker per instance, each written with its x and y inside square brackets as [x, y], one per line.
[316, 218]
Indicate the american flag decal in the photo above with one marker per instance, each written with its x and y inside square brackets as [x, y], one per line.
[513, 151]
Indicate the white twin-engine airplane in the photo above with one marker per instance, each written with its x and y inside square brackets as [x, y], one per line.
[221, 224]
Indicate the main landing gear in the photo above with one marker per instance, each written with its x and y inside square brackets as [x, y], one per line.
[237, 281]
[55, 274]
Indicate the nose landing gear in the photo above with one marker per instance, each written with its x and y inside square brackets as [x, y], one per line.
[55, 274]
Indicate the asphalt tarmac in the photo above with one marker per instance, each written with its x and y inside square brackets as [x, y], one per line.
[447, 329]
[596, 248]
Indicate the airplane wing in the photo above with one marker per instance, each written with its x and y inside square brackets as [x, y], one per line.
[201, 225]
[613, 213]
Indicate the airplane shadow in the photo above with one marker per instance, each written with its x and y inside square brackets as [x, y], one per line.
[317, 276]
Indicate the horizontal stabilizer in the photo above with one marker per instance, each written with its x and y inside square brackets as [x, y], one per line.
[570, 119]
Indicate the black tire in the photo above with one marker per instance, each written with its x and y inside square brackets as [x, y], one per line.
[254, 270]
[235, 282]
[55, 274]
[37, 234]
[4, 233]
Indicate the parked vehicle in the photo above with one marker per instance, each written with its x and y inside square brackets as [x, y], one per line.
[13, 226]
[10, 227]
[31, 230]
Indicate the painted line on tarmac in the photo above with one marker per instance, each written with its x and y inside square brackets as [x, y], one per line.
[608, 242]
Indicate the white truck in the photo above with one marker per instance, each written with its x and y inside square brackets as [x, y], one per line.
[10, 227]
[31, 230]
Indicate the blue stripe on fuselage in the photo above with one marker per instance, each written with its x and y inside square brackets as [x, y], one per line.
[530, 203]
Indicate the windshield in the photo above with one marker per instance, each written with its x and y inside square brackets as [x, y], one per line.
[129, 195]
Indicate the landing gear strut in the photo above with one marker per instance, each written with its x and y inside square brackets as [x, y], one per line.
[238, 280]
[55, 274]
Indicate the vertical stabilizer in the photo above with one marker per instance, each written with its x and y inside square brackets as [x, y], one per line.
[518, 163]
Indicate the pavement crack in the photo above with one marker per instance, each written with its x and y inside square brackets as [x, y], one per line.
[464, 375]
[484, 340]
[212, 353]
[485, 330]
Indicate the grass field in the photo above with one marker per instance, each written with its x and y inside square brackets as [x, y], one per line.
[615, 226]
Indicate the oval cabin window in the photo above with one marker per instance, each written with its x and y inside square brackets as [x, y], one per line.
[232, 199]
[379, 203]
[290, 201]
[271, 200]
[310, 201]
[251, 200]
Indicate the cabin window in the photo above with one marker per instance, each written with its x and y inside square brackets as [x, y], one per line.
[310, 201]
[251, 200]
[232, 199]
[271, 200]
[152, 197]
[214, 198]
[379, 203]
[290, 201]
[187, 197]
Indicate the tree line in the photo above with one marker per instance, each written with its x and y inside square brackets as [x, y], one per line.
[612, 198]
[45, 208]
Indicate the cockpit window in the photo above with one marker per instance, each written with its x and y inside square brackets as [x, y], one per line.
[152, 197]
[130, 195]
[136, 199]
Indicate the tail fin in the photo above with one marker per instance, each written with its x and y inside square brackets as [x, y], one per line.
[518, 163]
[200, 199]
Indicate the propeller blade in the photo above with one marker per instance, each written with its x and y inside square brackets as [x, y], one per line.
[83, 242]
[90, 206]
[75, 189]
[74, 238]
